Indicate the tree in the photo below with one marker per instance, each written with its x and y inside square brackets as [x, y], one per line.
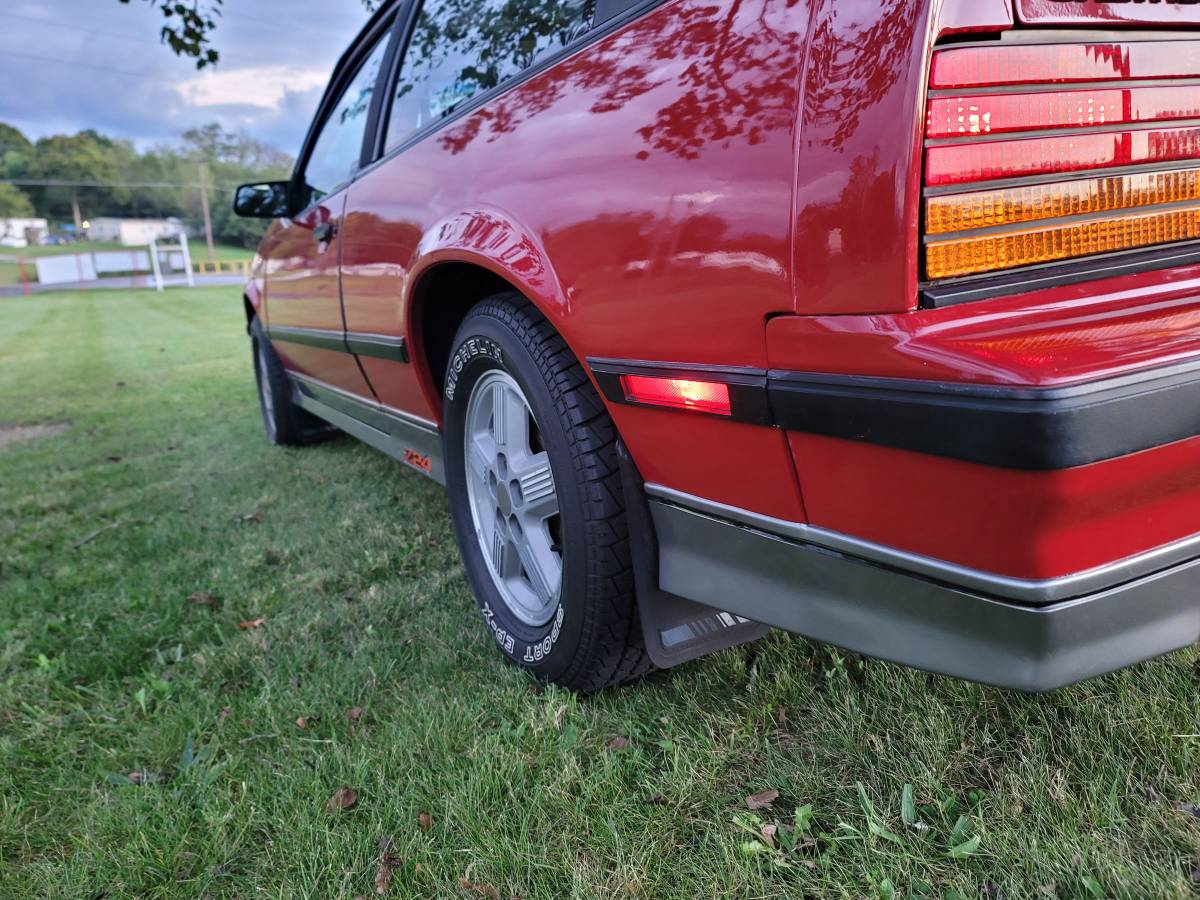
[189, 26]
[14, 203]
[15, 152]
[86, 157]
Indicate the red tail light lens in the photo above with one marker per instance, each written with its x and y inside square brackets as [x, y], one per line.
[993, 202]
[956, 164]
[1097, 108]
[678, 393]
[1064, 63]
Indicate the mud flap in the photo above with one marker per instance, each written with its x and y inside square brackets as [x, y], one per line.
[676, 630]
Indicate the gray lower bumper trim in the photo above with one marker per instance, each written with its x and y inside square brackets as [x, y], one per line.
[990, 584]
[880, 612]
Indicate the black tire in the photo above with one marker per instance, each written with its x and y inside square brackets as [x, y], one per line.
[594, 639]
[286, 423]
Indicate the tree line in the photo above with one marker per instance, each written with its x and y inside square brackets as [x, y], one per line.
[70, 178]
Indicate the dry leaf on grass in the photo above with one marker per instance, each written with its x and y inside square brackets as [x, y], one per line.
[251, 623]
[483, 890]
[343, 798]
[383, 870]
[762, 800]
[424, 821]
[202, 598]
[304, 721]
[617, 743]
[768, 834]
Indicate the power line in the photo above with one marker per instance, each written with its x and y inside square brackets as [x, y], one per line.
[81, 65]
[52, 24]
[60, 182]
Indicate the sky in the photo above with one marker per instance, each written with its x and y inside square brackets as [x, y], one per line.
[66, 65]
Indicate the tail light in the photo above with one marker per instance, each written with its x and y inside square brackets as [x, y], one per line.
[1040, 153]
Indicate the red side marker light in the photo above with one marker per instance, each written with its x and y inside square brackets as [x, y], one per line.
[678, 393]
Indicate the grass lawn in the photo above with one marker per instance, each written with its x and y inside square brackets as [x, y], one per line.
[10, 272]
[150, 747]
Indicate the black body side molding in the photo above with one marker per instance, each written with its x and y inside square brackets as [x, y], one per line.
[996, 425]
[382, 346]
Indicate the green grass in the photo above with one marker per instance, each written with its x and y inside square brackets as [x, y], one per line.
[10, 271]
[163, 486]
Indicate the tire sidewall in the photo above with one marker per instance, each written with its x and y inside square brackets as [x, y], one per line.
[262, 380]
[485, 344]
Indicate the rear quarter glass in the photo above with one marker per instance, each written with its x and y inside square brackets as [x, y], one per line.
[1095, 12]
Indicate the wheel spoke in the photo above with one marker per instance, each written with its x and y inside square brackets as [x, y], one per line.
[534, 565]
[539, 498]
[510, 421]
[479, 460]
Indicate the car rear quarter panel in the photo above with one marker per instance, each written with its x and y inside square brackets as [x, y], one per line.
[640, 193]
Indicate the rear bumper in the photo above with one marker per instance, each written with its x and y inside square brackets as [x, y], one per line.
[917, 616]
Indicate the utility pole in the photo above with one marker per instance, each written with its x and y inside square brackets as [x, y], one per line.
[77, 213]
[208, 234]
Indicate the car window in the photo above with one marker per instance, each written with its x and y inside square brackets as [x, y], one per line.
[461, 47]
[338, 149]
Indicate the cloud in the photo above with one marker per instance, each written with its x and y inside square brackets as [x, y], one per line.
[260, 87]
[100, 65]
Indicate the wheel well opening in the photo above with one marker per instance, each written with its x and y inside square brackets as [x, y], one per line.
[250, 313]
[444, 297]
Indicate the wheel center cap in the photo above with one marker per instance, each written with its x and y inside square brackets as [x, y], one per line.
[504, 500]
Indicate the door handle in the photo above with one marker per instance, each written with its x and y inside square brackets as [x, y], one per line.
[324, 232]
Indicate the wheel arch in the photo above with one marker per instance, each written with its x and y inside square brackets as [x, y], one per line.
[463, 260]
[252, 302]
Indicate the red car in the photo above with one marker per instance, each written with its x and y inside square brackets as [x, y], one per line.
[874, 321]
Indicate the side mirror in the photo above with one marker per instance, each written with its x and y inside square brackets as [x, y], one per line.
[270, 200]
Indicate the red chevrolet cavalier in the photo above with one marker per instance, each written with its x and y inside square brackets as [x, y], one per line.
[874, 321]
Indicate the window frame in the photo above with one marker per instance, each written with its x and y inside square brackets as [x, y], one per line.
[610, 16]
[384, 25]
[399, 18]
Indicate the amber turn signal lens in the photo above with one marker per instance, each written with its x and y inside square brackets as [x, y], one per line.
[947, 259]
[1009, 206]
[678, 393]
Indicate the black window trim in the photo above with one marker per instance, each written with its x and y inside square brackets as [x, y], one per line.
[625, 12]
[381, 26]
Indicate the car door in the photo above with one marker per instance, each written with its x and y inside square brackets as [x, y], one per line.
[304, 299]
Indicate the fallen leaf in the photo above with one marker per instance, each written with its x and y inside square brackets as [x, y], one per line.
[617, 743]
[343, 798]
[202, 598]
[304, 721]
[768, 834]
[483, 890]
[223, 715]
[383, 870]
[136, 777]
[252, 623]
[424, 821]
[353, 713]
[255, 517]
[762, 800]
[656, 800]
